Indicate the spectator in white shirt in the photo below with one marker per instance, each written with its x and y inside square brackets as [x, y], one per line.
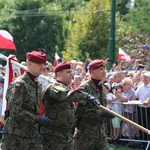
[143, 93]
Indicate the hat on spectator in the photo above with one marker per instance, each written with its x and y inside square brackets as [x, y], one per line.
[36, 57]
[95, 64]
[62, 66]
[147, 74]
[1, 80]
[107, 85]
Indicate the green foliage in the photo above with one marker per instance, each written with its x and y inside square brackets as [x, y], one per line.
[70, 4]
[138, 17]
[89, 35]
[122, 7]
[35, 25]
[45, 24]
[132, 32]
[123, 31]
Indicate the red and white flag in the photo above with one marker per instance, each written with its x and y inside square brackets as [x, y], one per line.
[56, 59]
[123, 56]
[12, 71]
[6, 40]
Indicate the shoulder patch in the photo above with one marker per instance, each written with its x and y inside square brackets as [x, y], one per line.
[17, 85]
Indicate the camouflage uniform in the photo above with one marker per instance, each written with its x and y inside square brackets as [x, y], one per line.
[90, 133]
[20, 132]
[58, 107]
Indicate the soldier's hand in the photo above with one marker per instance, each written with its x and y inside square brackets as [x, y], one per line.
[43, 121]
[93, 100]
[104, 114]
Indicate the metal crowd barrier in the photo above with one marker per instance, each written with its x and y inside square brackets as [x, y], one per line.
[128, 133]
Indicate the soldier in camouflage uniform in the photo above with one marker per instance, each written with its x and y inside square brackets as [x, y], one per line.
[23, 95]
[90, 133]
[58, 100]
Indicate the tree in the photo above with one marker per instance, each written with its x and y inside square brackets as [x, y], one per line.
[36, 25]
[89, 35]
[133, 32]
[122, 7]
[138, 17]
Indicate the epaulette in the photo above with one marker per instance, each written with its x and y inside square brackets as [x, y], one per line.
[59, 88]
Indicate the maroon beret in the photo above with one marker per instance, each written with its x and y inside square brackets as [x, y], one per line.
[36, 57]
[95, 64]
[62, 66]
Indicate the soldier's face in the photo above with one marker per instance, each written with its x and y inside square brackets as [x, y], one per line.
[65, 76]
[99, 74]
[35, 69]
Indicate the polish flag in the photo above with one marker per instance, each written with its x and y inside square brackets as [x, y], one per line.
[123, 56]
[6, 40]
[56, 59]
[12, 72]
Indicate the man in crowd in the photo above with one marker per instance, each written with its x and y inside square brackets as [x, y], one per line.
[90, 128]
[143, 94]
[58, 100]
[20, 131]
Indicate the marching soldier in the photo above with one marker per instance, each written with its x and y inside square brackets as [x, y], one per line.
[58, 100]
[90, 133]
[20, 131]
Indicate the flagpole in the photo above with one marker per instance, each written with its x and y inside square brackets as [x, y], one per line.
[124, 119]
[24, 67]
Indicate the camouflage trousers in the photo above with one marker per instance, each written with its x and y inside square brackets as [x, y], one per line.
[15, 142]
[51, 142]
[90, 137]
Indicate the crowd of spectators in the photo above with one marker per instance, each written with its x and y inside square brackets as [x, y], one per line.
[121, 85]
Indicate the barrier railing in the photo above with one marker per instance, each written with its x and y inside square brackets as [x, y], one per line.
[136, 113]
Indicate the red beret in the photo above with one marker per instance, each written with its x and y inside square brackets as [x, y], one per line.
[36, 57]
[62, 66]
[95, 64]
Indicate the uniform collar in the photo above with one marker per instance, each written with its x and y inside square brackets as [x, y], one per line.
[33, 78]
[97, 83]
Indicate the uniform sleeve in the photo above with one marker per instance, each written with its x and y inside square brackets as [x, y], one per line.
[85, 108]
[77, 96]
[59, 93]
[92, 113]
[15, 96]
